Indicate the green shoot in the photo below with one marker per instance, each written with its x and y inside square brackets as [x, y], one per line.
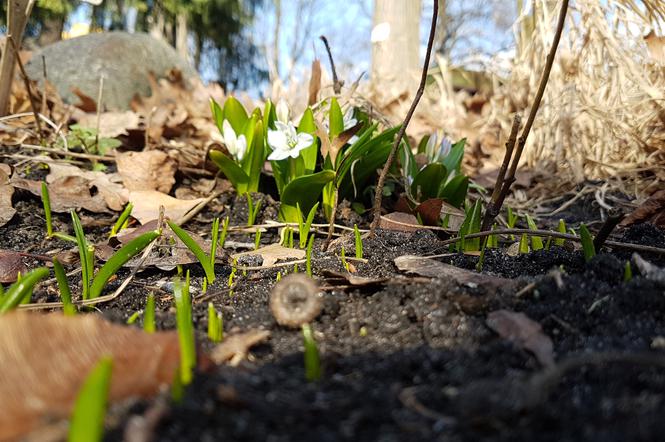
[252, 209]
[149, 314]
[215, 324]
[561, 228]
[481, 259]
[225, 231]
[177, 387]
[196, 249]
[359, 242]
[308, 255]
[511, 220]
[257, 239]
[295, 268]
[312, 360]
[214, 237]
[343, 258]
[122, 221]
[524, 244]
[84, 255]
[627, 272]
[185, 327]
[63, 286]
[46, 201]
[473, 227]
[119, 258]
[304, 226]
[87, 422]
[22, 288]
[278, 277]
[587, 243]
[536, 241]
[135, 316]
[289, 240]
[492, 240]
[232, 275]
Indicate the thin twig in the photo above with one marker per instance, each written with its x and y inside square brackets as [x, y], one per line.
[337, 85]
[608, 226]
[26, 81]
[510, 179]
[378, 198]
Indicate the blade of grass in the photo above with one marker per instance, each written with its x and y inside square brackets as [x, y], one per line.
[312, 360]
[82, 244]
[359, 242]
[149, 314]
[201, 256]
[87, 424]
[119, 258]
[185, 328]
[21, 288]
[46, 201]
[122, 219]
[536, 241]
[63, 286]
[587, 243]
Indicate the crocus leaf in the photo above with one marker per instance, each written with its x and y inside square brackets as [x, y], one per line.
[20, 288]
[426, 184]
[90, 409]
[454, 191]
[235, 112]
[256, 157]
[217, 113]
[336, 123]
[453, 160]
[305, 191]
[309, 154]
[231, 170]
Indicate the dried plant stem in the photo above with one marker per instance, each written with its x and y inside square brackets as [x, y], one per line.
[402, 130]
[505, 182]
[337, 85]
[26, 82]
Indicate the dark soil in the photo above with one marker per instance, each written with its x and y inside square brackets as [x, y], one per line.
[412, 359]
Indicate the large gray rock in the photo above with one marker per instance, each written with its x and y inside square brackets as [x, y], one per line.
[124, 59]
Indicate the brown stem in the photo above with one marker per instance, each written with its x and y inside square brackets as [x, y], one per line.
[510, 179]
[337, 85]
[26, 82]
[402, 130]
[607, 228]
[333, 214]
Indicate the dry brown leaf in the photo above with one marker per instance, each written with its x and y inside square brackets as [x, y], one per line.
[106, 185]
[652, 210]
[147, 202]
[111, 124]
[314, 83]
[234, 348]
[403, 222]
[338, 278]
[11, 264]
[523, 332]
[87, 104]
[273, 253]
[6, 192]
[656, 46]
[148, 170]
[45, 359]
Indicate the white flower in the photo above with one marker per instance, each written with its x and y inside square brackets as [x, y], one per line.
[283, 112]
[285, 142]
[436, 153]
[349, 119]
[237, 146]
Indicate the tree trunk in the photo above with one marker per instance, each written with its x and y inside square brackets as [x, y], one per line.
[181, 35]
[395, 47]
[52, 28]
[156, 27]
[276, 37]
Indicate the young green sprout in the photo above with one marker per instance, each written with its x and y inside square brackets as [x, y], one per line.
[252, 209]
[87, 423]
[122, 221]
[63, 286]
[311, 356]
[225, 231]
[359, 242]
[627, 272]
[587, 243]
[185, 328]
[304, 226]
[308, 255]
[149, 314]
[232, 275]
[205, 260]
[215, 324]
[343, 258]
[134, 317]
[46, 202]
[22, 288]
[511, 220]
[561, 228]
[257, 239]
[536, 241]
[524, 244]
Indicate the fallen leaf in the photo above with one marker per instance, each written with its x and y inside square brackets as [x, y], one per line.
[656, 46]
[106, 184]
[45, 359]
[111, 124]
[148, 170]
[523, 332]
[338, 278]
[314, 83]
[435, 269]
[11, 264]
[147, 202]
[7, 211]
[652, 211]
[86, 104]
[400, 221]
[234, 348]
[648, 270]
[433, 210]
[273, 253]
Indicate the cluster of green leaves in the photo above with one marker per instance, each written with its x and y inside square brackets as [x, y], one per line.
[440, 178]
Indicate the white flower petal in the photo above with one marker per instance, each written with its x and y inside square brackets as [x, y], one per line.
[277, 140]
[241, 147]
[229, 133]
[282, 111]
[304, 141]
[277, 155]
[282, 127]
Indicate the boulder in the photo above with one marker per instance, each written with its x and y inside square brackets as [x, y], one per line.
[124, 59]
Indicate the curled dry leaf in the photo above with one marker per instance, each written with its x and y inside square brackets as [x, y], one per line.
[652, 210]
[234, 348]
[6, 192]
[45, 358]
[523, 332]
[148, 170]
[273, 253]
[147, 202]
[111, 124]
